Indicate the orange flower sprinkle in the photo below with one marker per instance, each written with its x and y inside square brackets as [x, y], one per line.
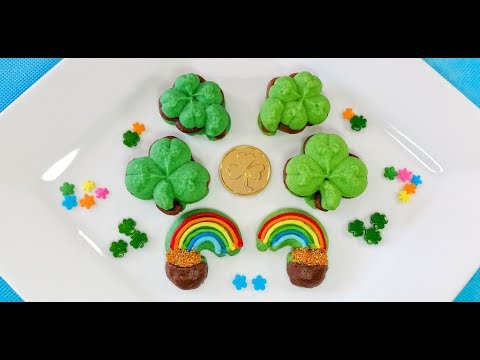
[88, 201]
[410, 188]
[348, 114]
[138, 128]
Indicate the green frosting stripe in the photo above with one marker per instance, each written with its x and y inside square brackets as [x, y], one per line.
[202, 230]
[294, 102]
[326, 167]
[284, 228]
[196, 105]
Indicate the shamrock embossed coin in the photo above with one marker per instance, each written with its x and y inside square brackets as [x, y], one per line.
[245, 170]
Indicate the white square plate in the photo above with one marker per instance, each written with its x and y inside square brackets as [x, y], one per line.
[80, 109]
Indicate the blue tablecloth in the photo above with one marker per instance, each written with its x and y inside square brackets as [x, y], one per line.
[17, 75]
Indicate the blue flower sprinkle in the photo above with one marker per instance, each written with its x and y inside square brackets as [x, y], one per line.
[416, 180]
[259, 283]
[69, 202]
[240, 282]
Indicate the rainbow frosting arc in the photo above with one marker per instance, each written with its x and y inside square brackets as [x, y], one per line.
[291, 227]
[205, 229]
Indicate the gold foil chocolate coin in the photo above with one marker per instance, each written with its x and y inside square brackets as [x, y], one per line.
[245, 170]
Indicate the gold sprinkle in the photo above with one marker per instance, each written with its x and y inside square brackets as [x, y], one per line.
[183, 258]
[310, 257]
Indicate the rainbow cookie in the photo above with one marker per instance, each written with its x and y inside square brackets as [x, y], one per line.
[169, 176]
[307, 263]
[197, 230]
[325, 172]
[292, 103]
[196, 107]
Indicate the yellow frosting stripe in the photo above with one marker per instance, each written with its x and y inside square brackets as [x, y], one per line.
[293, 222]
[211, 225]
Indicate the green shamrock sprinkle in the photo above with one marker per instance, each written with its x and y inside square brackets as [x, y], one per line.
[372, 236]
[118, 248]
[356, 228]
[358, 122]
[127, 226]
[390, 173]
[131, 138]
[67, 189]
[138, 239]
[378, 220]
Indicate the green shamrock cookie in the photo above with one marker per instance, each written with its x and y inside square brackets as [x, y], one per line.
[325, 172]
[168, 175]
[292, 103]
[196, 106]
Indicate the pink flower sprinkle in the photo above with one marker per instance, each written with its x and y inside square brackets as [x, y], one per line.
[404, 175]
[102, 193]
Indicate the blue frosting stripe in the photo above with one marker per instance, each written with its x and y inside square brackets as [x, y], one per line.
[208, 236]
[288, 235]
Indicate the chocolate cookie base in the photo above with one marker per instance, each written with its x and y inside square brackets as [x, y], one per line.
[306, 276]
[182, 128]
[187, 278]
[318, 195]
[177, 209]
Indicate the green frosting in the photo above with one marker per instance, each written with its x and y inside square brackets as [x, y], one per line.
[294, 102]
[167, 175]
[196, 105]
[327, 167]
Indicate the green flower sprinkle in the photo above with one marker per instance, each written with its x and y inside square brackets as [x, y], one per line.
[390, 173]
[67, 189]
